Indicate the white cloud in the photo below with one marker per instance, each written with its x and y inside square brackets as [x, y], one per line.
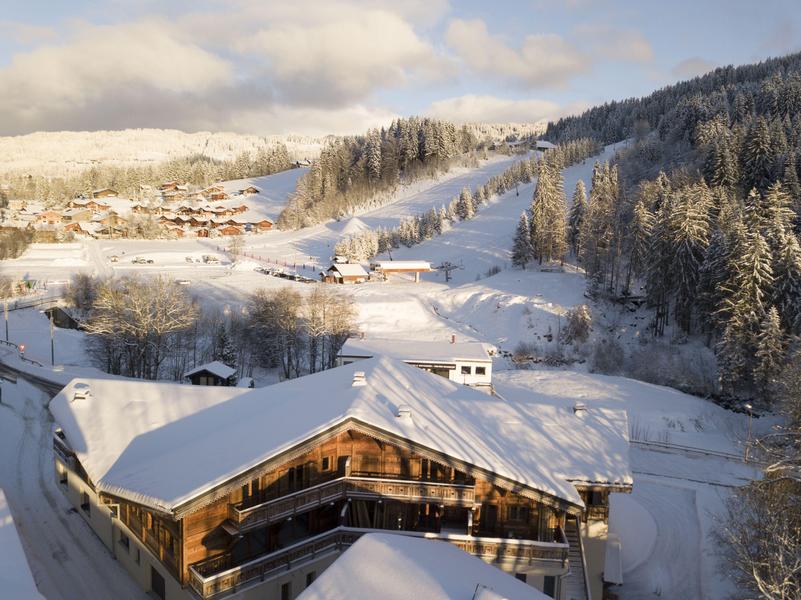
[343, 59]
[101, 63]
[616, 44]
[692, 67]
[543, 60]
[491, 109]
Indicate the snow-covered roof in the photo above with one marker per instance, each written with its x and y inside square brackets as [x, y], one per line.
[165, 444]
[398, 567]
[545, 145]
[412, 265]
[215, 367]
[16, 578]
[349, 269]
[414, 351]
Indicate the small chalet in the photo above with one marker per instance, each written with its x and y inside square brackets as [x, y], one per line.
[463, 362]
[50, 217]
[230, 230]
[544, 145]
[345, 273]
[213, 373]
[105, 193]
[218, 196]
[76, 215]
[390, 267]
[250, 190]
[263, 225]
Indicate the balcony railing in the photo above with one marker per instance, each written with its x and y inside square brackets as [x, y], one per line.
[450, 494]
[213, 577]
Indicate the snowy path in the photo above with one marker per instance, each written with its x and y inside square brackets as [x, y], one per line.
[67, 559]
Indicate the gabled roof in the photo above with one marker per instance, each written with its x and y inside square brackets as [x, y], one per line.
[215, 367]
[389, 265]
[164, 445]
[400, 567]
[349, 269]
[415, 351]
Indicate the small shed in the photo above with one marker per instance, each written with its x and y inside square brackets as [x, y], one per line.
[63, 317]
[346, 273]
[213, 373]
[388, 267]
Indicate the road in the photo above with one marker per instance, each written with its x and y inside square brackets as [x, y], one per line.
[67, 560]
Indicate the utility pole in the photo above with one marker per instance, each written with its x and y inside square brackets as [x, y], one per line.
[749, 408]
[5, 310]
[52, 340]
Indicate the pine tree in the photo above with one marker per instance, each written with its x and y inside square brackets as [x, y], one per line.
[522, 252]
[547, 223]
[464, 206]
[787, 284]
[578, 211]
[224, 350]
[757, 160]
[689, 238]
[769, 349]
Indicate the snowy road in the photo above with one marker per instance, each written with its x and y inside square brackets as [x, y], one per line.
[67, 560]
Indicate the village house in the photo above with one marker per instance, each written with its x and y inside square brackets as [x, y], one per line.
[464, 362]
[76, 215]
[392, 267]
[345, 273]
[105, 193]
[205, 492]
[87, 204]
[230, 230]
[49, 217]
[213, 373]
[544, 145]
[250, 190]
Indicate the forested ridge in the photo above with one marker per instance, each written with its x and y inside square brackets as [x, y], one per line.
[352, 170]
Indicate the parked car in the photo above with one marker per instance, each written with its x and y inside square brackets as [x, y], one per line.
[183, 282]
[141, 260]
[210, 259]
[114, 258]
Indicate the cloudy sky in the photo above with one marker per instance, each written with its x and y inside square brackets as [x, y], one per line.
[336, 66]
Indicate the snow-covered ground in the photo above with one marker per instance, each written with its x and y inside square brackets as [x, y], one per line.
[66, 558]
[665, 523]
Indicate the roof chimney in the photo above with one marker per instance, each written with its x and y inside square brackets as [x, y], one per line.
[453, 338]
[404, 412]
[359, 380]
[579, 408]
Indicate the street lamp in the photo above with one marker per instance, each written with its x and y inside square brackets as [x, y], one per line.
[748, 407]
[52, 338]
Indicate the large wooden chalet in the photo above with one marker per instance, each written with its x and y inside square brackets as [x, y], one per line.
[203, 492]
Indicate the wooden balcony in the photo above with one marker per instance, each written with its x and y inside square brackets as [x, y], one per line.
[368, 488]
[214, 577]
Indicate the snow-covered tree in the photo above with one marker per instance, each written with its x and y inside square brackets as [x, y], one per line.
[522, 253]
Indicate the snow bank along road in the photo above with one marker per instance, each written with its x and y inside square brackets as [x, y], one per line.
[67, 560]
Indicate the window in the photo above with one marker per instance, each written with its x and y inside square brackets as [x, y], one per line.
[286, 591]
[467, 370]
[85, 505]
[138, 557]
[518, 513]
[327, 463]
[125, 542]
[481, 370]
[62, 475]
[310, 578]
[549, 586]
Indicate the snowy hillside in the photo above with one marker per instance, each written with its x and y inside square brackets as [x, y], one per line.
[62, 153]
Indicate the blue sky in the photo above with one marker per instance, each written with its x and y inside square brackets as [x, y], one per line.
[336, 66]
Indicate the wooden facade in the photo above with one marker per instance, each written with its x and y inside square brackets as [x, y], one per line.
[348, 481]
